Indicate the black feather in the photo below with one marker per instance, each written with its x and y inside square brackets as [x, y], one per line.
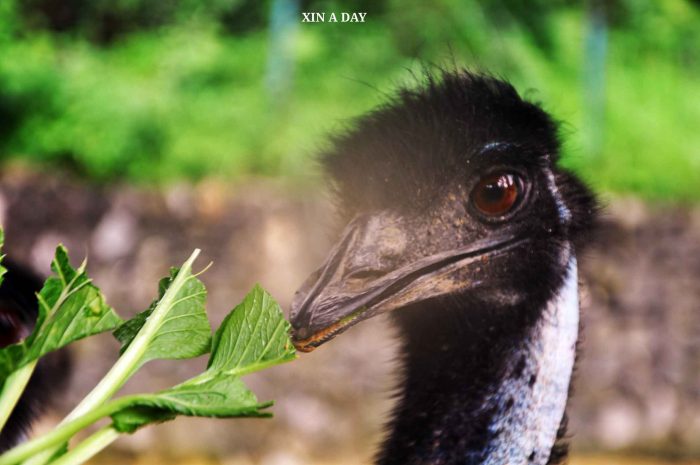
[400, 154]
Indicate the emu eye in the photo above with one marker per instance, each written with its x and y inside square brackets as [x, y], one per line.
[497, 194]
[11, 330]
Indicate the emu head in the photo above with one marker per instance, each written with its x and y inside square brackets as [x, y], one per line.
[450, 191]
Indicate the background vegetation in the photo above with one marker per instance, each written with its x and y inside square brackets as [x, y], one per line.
[154, 92]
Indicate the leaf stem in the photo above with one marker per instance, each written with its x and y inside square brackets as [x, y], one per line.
[89, 447]
[12, 390]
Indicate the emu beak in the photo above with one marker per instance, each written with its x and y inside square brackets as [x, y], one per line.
[366, 274]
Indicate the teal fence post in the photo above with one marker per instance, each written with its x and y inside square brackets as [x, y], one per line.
[279, 75]
[596, 45]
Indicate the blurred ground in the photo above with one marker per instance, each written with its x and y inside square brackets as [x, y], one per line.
[638, 383]
[107, 459]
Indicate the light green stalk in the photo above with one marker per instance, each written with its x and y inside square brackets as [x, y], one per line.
[53, 439]
[12, 390]
[89, 447]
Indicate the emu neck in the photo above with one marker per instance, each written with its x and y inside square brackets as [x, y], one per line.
[489, 390]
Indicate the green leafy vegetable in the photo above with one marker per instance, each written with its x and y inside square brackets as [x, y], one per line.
[175, 326]
[252, 337]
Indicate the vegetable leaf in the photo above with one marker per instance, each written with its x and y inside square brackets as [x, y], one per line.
[219, 396]
[70, 308]
[253, 336]
[182, 328]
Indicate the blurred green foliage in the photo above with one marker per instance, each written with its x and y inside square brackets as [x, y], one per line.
[152, 92]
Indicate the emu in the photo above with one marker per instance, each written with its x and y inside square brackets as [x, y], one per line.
[18, 312]
[461, 225]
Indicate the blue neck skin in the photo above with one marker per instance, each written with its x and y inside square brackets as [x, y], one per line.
[488, 390]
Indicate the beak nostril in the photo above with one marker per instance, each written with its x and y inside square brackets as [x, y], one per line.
[365, 274]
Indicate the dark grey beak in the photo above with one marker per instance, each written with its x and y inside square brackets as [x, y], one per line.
[367, 274]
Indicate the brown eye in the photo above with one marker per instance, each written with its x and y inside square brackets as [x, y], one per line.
[497, 194]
